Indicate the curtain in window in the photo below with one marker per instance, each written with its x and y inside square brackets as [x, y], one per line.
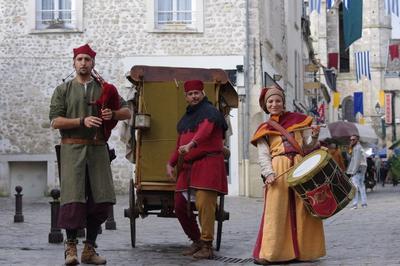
[164, 11]
[47, 10]
[184, 10]
[65, 7]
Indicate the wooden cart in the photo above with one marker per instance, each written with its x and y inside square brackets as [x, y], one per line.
[160, 104]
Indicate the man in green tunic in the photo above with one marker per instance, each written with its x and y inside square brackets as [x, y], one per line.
[87, 190]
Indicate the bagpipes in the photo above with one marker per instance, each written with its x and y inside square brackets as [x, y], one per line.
[109, 98]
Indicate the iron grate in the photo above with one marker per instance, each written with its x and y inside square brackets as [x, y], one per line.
[232, 260]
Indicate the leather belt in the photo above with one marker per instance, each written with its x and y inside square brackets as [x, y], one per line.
[83, 141]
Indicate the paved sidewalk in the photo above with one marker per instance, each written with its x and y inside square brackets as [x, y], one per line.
[368, 236]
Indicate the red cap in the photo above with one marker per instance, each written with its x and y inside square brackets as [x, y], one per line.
[84, 49]
[193, 85]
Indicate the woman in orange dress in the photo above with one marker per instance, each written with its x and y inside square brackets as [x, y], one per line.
[287, 231]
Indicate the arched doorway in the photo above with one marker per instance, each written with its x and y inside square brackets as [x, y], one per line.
[348, 109]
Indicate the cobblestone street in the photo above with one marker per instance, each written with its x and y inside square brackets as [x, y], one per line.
[368, 236]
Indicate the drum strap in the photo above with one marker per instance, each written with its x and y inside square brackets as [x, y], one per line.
[289, 137]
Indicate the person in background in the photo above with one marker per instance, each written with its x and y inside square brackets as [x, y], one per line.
[357, 169]
[336, 156]
[378, 165]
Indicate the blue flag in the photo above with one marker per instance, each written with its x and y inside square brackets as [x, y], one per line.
[352, 21]
[358, 103]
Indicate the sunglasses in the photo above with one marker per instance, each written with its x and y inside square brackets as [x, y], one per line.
[353, 139]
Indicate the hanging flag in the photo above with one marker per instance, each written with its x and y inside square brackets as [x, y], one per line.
[315, 5]
[333, 60]
[381, 98]
[336, 100]
[362, 65]
[352, 21]
[358, 103]
[361, 120]
[346, 3]
[330, 4]
[392, 7]
[393, 51]
[321, 114]
[330, 78]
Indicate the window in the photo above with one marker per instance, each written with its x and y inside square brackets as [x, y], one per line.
[175, 15]
[56, 15]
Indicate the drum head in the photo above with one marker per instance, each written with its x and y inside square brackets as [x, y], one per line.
[308, 167]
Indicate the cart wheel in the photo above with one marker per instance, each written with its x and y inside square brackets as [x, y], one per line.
[220, 221]
[133, 215]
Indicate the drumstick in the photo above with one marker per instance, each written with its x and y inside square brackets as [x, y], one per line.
[305, 128]
[280, 175]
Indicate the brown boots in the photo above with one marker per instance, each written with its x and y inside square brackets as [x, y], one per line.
[194, 247]
[200, 250]
[89, 255]
[71, 254]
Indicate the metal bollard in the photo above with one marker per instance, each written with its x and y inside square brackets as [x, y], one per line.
[110, 223]
[55, 235]
[18, 217]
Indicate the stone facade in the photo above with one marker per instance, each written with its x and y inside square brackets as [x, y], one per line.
[33, 63]
[376, 34]
[278, 47]
[264, 36]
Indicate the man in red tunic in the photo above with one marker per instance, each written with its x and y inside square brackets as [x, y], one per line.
[202, 176]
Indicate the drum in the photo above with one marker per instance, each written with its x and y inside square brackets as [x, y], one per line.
[321, 184]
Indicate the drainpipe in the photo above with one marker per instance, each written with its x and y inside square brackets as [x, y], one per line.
[246, 124]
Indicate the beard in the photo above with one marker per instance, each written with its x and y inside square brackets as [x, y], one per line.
[84, 71]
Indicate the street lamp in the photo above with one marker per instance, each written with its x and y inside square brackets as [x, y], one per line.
[382, 121]
[378, 108]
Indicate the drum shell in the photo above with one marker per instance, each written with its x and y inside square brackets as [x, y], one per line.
[329, 174]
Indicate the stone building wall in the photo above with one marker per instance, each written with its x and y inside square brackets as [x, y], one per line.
[375, 37]
[32, 65]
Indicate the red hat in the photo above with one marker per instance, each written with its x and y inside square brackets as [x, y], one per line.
[268, 92]
[84, 49]
[193, 85]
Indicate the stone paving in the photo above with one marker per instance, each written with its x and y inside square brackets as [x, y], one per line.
[368, 236]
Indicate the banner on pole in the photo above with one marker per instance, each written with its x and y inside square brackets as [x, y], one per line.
[388, 108]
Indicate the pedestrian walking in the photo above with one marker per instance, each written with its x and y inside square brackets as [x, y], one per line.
[201, 175]
[378, 165]
[288, 231]
[357, 169]
[87, 190]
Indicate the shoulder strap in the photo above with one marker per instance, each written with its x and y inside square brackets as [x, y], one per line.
[289, 137]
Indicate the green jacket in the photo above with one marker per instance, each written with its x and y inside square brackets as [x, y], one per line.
[71, 100]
